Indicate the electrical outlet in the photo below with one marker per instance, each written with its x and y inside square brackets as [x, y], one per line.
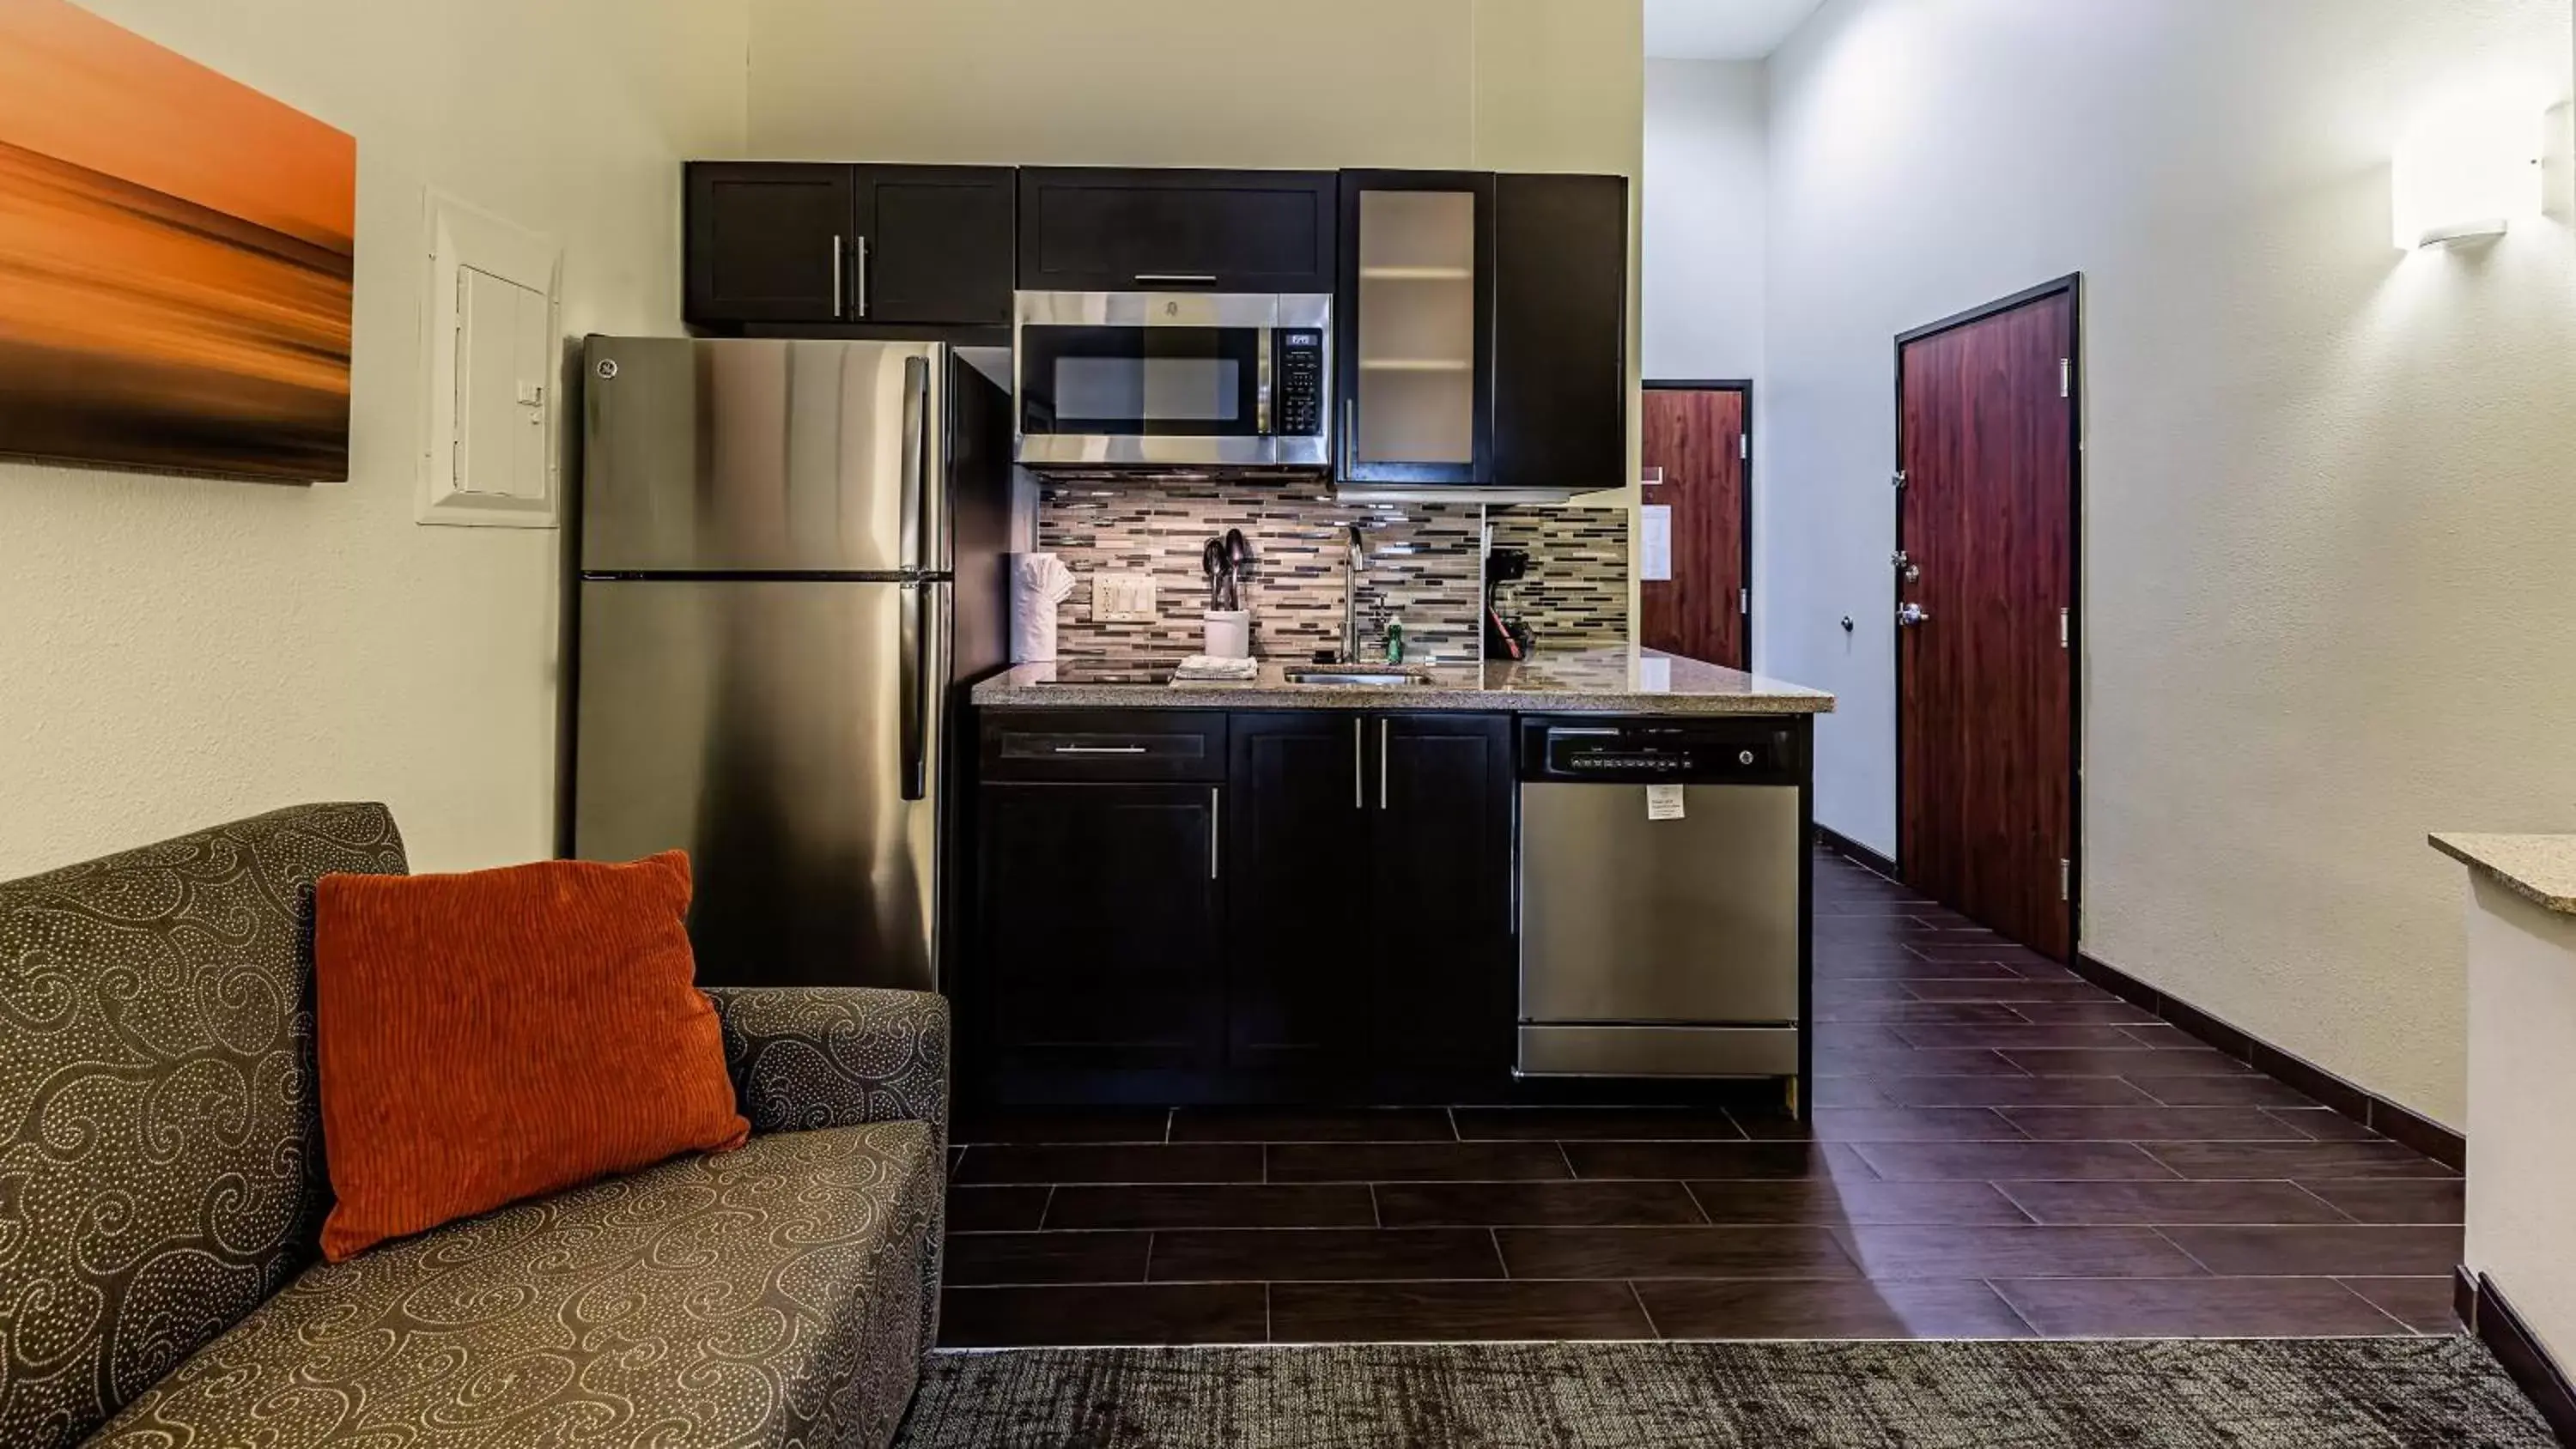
[1122, 599]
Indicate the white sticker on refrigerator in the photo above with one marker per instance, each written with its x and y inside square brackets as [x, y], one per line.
[1663, 802]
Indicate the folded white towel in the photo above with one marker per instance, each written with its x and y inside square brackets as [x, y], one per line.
[1208, 667]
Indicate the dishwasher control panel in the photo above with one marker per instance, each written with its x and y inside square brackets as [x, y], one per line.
[1660, 750]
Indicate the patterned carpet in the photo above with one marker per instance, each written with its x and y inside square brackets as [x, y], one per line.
[2389, 1393]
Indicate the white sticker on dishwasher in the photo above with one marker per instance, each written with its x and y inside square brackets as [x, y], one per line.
[1663, 802]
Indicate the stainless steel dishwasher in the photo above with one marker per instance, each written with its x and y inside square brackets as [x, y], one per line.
[1661, 868]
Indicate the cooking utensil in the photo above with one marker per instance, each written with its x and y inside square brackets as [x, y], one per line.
[1238, 557]
[1212, 561]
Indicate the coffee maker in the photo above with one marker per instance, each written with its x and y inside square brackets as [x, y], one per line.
[1505, 638]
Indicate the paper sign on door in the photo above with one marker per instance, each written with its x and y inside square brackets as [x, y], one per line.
[1663, 802]
[1655, 543]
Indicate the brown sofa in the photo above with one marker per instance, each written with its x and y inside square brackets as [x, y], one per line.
[162, 1190]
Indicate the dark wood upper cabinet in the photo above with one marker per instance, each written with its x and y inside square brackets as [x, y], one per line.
[1561, 387]
[1100, 949]
[768, 241]
[1094, 229]
[938, 244]
[791, 241]
[1297, 963]
[1414, 321]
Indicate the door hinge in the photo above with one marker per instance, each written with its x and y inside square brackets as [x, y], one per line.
[1744, 601]
[1744, 445]
[1899, 479]
[2066, 377]
[2065, 879]
[2065, 628]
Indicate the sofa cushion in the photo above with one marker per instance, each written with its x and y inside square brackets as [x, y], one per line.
[503, 1034]
[767, 1296]
[161, 1169]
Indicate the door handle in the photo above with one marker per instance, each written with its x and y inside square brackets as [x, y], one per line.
[911, 636]
[1359, 767]
[861, 291]
[1176, 279]
[1100, 749]
[840, 294]
[1215, 833]
[1911, 616]
[1381, 763]
[916, 461]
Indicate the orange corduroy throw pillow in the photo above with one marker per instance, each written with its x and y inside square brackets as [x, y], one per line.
[507, 1033]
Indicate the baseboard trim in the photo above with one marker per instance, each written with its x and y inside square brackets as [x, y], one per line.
[1855, 852]
[2380, 1115]
[2525, 1362]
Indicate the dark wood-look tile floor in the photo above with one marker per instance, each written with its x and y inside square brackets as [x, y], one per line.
[1995, 1148]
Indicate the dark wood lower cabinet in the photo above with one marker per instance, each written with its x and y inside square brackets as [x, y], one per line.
[1297, 963]
[1345, 937]
[1443, 996]
[1100, 949]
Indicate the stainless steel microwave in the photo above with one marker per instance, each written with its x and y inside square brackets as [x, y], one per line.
[1224, 381]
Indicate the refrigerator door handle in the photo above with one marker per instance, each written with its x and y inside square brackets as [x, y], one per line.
[913, 689]
[919, 521]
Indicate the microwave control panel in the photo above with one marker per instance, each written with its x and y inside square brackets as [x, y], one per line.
[1300, 374]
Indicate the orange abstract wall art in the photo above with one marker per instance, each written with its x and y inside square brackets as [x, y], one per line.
[176, 254]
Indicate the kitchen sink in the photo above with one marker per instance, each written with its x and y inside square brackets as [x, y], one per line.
[1362, 678]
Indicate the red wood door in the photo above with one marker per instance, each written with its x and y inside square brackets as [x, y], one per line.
[1695, 438]
[1986, 681]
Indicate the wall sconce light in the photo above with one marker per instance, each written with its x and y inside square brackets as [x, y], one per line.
[2465, 172]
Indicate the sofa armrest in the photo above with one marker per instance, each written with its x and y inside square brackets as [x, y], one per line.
[835, 1056]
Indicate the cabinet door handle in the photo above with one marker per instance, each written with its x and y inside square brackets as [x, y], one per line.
[1100, 749]
[1359, 766]
[1176, 279]
[1381, 763]
[1350, 432]
[840, 294]
[862, 289]
[1215, 831]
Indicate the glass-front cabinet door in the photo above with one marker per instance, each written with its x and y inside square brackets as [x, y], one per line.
[1415, 318]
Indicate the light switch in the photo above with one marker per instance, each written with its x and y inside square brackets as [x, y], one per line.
[1122, 599]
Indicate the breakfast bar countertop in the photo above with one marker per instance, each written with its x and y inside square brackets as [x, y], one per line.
[2539, 868]
[1627, 682]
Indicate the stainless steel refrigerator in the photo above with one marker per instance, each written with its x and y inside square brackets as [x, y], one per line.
[791, 568]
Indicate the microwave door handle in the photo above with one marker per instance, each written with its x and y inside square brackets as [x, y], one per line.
[1261, 347]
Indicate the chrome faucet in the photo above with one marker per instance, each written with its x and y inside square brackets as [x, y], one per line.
[1351, 570]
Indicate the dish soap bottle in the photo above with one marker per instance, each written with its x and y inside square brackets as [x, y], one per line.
[1395, 639]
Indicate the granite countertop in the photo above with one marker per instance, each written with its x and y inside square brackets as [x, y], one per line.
[1646, 682]
[2539, 868]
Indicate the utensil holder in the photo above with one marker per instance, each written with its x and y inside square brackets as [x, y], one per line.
[1229, 633]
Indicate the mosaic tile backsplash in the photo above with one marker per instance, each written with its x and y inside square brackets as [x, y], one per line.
[1576, 594]
[1424, 564]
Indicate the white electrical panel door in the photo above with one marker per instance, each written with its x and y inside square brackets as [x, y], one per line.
[503, 353]
[492, 353]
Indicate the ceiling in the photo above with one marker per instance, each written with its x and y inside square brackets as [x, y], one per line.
[1721, 29]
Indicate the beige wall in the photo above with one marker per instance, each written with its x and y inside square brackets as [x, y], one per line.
[176, 652]
[1527, 85]
[2328, 516]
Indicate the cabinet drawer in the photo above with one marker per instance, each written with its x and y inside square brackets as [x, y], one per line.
[1103, 745]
